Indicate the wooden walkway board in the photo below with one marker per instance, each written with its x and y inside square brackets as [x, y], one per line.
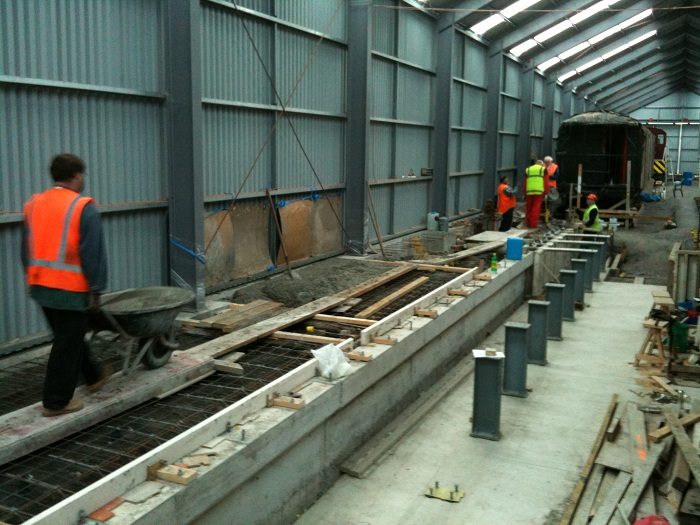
[344, 320]
[382, 303]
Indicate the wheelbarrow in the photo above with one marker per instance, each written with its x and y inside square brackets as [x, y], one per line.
[144, 321]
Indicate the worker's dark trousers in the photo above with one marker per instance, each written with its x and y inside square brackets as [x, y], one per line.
[506, 221]
[69, 357]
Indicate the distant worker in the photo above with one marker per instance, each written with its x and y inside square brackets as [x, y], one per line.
[552, 171]
[506, 204]
[591, 217]
[63, 253]
[536, 187]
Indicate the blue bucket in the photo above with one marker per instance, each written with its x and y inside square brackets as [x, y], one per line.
[514, 248]
[687, 178]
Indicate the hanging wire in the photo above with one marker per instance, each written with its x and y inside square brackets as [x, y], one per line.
[277, 118]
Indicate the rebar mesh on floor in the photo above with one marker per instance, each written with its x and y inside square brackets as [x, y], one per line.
[22, 383]
[32, 484]
[436, 279]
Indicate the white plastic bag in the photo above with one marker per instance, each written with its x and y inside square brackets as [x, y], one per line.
[332, 362]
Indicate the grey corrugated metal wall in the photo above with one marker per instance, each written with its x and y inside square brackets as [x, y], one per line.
[100, 90]
[84, 77]
[401, 116]
[675, 108]
[468, 125]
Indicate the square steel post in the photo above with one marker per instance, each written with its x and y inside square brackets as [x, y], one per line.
[554, 294]
[580, 282]
[597, 262]
[537, 317]
[486, 407]
[568, 279]
[515, 370]
[590, 269]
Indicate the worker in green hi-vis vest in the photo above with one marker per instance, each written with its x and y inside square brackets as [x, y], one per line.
[591, 217]
[536, 187]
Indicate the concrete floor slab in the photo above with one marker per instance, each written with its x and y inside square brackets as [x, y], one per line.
[526, 477]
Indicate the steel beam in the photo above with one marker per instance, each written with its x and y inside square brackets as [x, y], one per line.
[659, 71]
[641, 91]
[548, 135]
[359, 34]
[568, 279]
[493, 118]
[443, 112]
[486, 402]
[457, 13]
[580, 266]
[537, 315]
[184, 117]
[656, 95]
[554, 295]
[515, 369]
[523, 149]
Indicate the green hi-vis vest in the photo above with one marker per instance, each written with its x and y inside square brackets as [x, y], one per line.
[597, 224]
[534, 180]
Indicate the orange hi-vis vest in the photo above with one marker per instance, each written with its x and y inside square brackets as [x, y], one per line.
[505, 202]
[52, 219]
[550, 171]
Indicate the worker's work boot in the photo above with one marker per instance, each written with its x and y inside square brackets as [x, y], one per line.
[73, 406]
[105, 374]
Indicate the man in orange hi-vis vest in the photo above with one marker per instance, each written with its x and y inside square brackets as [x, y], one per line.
[552, 171]
[65, 263]
[506, 204]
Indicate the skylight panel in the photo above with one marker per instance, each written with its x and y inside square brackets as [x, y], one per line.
[567, 76]
[486, 25]
[544, 66]
[574, 50]
[589, 12]
[604, 35]
[636, 18]
[589, 65]
[553, 31]
[645, 36]
[522, 48]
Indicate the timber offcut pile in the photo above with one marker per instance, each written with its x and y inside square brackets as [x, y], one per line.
[644, 462]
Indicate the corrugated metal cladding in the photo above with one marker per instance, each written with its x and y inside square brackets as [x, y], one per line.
[668, 109]
[99, 64]
[402, 94]
[310, 78]
[468, 124]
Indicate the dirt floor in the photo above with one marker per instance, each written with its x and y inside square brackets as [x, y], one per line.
[314, 281]
[649, 243]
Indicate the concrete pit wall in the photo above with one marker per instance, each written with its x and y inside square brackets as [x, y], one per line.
[304, 470]
[546, 268]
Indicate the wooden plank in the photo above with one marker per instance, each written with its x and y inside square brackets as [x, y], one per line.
[442, 268]
[424, 312]
[582, 515]
[638, 433]
[575, 496]
[227, 367]
[614, 426]
[386, 301]
[640, 479]
[344, 320]
[459, 293]
[244, 314]
[690, 453]
[179, 475]
[24, 431]
[665, 431]
[663, 383]
[476, 250]
[608, 507]
[320, 339]
[235, 340]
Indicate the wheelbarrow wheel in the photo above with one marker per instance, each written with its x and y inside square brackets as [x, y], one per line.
[157, 355]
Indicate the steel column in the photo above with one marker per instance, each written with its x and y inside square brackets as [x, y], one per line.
[554, 294]
[442, 103]
[548, 135]
[486, 405]
[568, 279]
[591, 264]
[580, 265]
[515, 371]
[523, 149]
[184, 127]
[537, 314]
[359, 33]
[493, 119]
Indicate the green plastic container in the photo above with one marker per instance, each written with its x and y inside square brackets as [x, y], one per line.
[680, 337]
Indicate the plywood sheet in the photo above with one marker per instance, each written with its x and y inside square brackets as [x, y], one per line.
[295, 219]
[240, 248]
[326, 233]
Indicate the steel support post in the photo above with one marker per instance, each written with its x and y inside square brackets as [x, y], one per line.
[486, 407]
[491, 143]
[522, 161]
[598, 265]
[442, 112]
[537, 313]
[568, 279]
[580, 265]
[184, 129]
[359, 34]
[554, 294]
[515, 370]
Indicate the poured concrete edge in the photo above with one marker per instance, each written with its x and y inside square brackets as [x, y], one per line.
[273, 431]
